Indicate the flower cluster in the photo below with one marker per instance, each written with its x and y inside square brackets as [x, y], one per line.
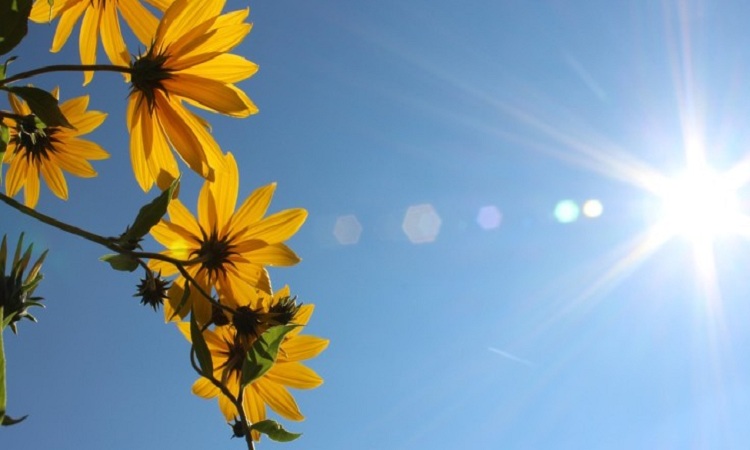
[211, 277]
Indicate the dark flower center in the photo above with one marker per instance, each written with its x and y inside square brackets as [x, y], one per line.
[35, 143]
[235, 357]
[247, 322]
[147, 75]
[283, 312]
[215, 252]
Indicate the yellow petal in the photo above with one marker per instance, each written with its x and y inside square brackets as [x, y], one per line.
[274, 255]
[174, 237]
[31, 188]
[160, 4]
[211, 94]
[206, 208]
[278, 227]
[279, 399]
[67, 20]
[255, 409]
[139, 19]
[137, 111]
[254, 207]
[114, 45]
[225, 33]
[85, 149]
[180, 215]
[86, 123]
[182, 16]
[226, 68]
[252, 274]
[294, 374]
[19, 106]
[182, 136]
[42, 11]
[302, 347]
[161, 162]
[74, 107]
[224, 190]
[87, 39]
[16, 176]
[227, 408]
[55, 179]
[73, 164]
[204, 388]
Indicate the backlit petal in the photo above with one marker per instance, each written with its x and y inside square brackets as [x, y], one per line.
[279, 399]
[302, 347]
[295, 375]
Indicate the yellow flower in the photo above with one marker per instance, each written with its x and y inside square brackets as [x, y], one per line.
[187, 61]
[228, 353]
[99, 16]
[32, 152]
[233, 246]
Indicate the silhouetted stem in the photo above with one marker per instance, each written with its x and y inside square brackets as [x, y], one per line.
[66, 68]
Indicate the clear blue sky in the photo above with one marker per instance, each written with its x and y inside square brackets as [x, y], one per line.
[533, 334]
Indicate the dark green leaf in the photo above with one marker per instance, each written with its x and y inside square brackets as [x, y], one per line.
[9, 319]
[121, 262]
[14, 23]
[262, 355]
[43, 105]
[274, 431]
[149, 215]
[201, 349]
[7, 420]
[4, 67]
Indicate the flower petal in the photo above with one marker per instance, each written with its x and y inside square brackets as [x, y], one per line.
[278, 227]
[302, 347]
[279, 399]
[294, 374]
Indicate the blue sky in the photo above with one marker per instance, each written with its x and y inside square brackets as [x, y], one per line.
[529, 334]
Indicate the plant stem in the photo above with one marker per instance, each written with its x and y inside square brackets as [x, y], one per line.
[65, 68]
[57, 224]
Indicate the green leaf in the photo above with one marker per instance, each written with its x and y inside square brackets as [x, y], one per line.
[4, 67]
[121, 262]
[201, 349]
[7, 420]
[6, 321]
[43, 105]
[14, 23]
[274, 431]
[262, 355]
[148, 216]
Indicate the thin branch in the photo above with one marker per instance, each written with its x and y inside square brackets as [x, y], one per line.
[61, 225]
[65, 68]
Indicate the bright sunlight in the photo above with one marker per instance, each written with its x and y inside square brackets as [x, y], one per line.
[700, 204]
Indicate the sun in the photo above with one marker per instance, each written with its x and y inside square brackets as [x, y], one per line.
[700, 204]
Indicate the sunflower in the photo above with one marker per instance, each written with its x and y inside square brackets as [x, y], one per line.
[232, 247]
[99, 16]
[49, 151]
[228, 352]
[188, 62]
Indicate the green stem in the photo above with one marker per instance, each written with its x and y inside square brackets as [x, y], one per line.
[65, 68]
[237, 401]
[108, 243]
[57, 224]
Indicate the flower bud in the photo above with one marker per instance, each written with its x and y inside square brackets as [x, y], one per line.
[15, 290]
